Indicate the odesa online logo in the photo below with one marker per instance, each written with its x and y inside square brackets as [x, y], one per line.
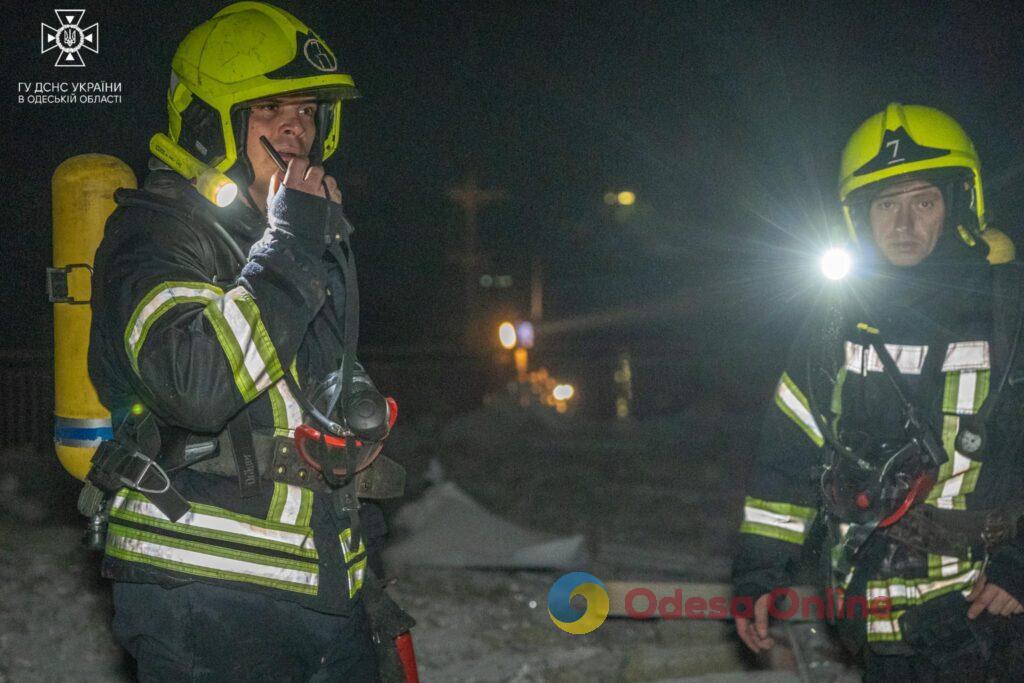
[567, 617]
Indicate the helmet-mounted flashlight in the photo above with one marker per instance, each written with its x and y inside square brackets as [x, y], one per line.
[836, 263]
[211, 183]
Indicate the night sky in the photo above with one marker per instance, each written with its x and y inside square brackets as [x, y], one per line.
[726, 119]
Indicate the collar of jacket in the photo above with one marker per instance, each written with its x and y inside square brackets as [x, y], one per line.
[244, 222]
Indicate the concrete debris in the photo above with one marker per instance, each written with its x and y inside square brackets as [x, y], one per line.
[447, 528]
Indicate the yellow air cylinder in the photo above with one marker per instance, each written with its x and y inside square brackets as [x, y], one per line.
[83, 199]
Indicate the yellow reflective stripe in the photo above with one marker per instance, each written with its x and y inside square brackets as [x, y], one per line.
[794, 404]
[882, 628]
[905, 593]
[217, 524]
[781, 521]
[912, 592]
[200, 559]
[965, 391]
[941, 566]
[290, 504]
[346, 545]
[236, 321]
[154, 304]
[287, 411]
[356, 575]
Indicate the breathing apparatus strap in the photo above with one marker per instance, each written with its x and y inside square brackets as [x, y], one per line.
[346, 261]
[244, 450]
[917, 421]
[124, 462]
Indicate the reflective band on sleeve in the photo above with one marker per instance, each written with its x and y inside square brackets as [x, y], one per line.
[973, 355]
[793, 403]
[236, 320]
[909, 359]
[158, 301]
[781, 521]
[204, 560]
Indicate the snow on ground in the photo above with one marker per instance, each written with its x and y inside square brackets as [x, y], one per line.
[656, 500]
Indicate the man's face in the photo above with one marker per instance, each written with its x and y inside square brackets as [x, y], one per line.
[290, 125]
[906, 221]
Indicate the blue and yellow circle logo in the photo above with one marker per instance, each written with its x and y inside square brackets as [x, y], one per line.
[570, 619]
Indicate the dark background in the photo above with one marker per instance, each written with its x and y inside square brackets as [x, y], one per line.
[726, 119]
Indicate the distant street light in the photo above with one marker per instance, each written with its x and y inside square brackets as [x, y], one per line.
[621, 198]
[563, 392]
[507, 335]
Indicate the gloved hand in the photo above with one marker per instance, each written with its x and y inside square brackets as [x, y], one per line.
[306, 203]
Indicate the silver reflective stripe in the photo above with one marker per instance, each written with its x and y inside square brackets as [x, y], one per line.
[214, 523]
[884, 626]
[292, 409]
[973, 355]
[909, 359]
[788, 522]
[356, 574]
[799, 410]
[163, 295]
[215, 562]
[952, 486]
[346, 545]
[292, 505]
[965, 392]
[913, 593]
[244, 335]
[949, 566]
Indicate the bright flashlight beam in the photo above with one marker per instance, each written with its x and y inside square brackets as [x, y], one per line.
[836, 263]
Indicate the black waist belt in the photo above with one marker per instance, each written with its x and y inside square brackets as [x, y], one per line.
[954, 532]
[277, 459]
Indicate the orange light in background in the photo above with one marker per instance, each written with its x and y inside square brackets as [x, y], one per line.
[626, 198]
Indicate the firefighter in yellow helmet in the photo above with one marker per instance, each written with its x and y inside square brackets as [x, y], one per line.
[894, 433]
[224, 298]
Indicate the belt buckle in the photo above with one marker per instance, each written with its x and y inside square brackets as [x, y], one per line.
[135, 483]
